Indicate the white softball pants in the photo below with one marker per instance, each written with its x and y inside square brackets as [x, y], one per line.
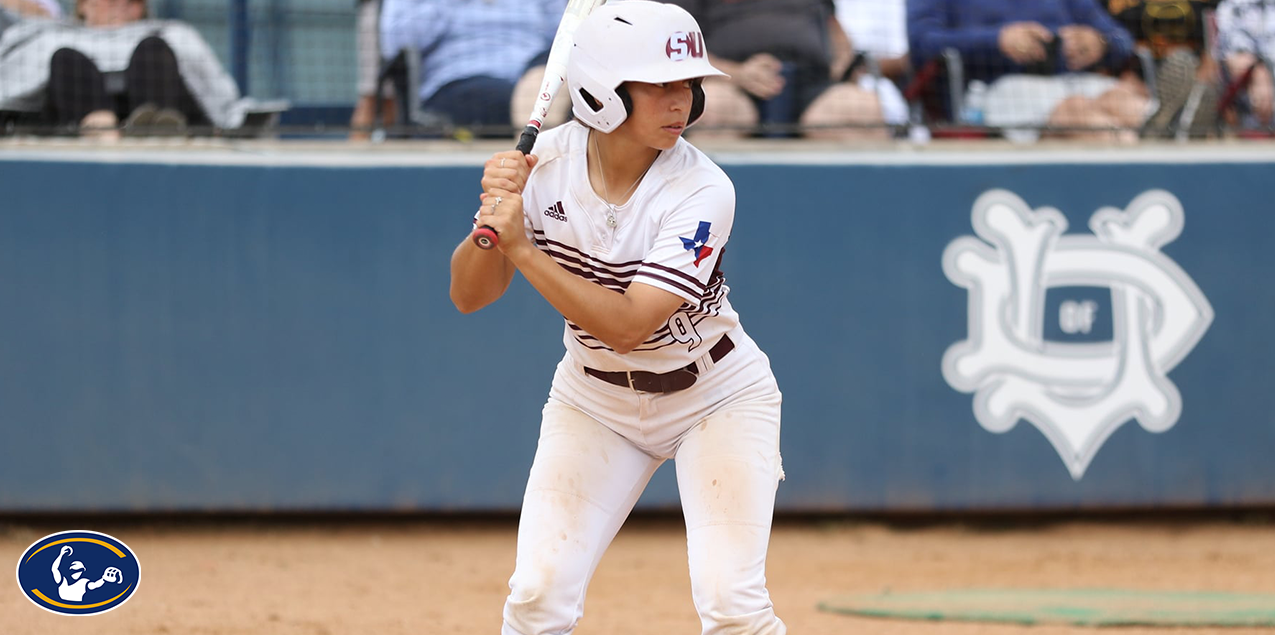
[599, 446]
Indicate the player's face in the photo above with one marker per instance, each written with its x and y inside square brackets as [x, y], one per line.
[107, 13]
[659, 112]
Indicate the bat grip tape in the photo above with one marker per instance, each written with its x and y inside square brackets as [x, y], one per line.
[528, 139]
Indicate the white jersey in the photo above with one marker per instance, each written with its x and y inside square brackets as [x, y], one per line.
[670, 234]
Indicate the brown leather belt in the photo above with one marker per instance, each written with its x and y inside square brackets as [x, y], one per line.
[674, 380]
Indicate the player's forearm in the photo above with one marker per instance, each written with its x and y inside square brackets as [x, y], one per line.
[601, 312]
[479, 277]
[894, 67]
[730, 67]
[26, 8]
[842, 48]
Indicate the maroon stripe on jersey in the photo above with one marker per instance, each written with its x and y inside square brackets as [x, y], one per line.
[566, 256]
[647, 349]
[711, 307]
[617, 285]
[599, 347]
[714, 291]
[685, 276]
[565, 247]
[663, 330]
[669, 281]
[582, 336]
[586, 270]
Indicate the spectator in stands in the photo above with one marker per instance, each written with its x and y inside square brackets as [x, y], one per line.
[170, 77]
[1246, 40]
[879, 28]
[14, 11]
[368, 55]
[33, 8]
[481, 60]
[1172, 31]
[786, 59]
[1040, 59]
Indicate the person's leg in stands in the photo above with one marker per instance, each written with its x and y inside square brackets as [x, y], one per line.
[525, 93]
[1261, 89]
[1126, 102]
[1080, 117]
[1020, 105]
[153, 78]
[1100, 109]
[845, 112]
[478, 103]
[729, 112]
[1261, 94]
[76, 95]
[368, 55]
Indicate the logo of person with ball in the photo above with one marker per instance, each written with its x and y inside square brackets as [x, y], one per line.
[78, 573]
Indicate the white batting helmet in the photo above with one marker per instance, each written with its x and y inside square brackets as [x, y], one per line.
[633, 41]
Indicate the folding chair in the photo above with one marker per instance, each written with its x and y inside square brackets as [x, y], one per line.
[935, 107]
[935, 93]
[261, 117]
[1233, 88]
[403, 73]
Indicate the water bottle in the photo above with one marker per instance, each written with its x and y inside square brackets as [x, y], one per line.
[975, 102]
[918, 135]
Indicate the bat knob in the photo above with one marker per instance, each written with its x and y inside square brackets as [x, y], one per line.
[485, 237]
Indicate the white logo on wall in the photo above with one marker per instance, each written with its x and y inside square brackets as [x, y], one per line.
[1077, 394]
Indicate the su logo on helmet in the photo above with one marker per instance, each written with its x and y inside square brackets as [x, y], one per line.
[683, 45]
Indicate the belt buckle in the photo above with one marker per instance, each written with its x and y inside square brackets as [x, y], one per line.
[629, 374]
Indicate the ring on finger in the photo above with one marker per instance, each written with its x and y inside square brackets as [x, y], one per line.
[502, 162]
[496, 203]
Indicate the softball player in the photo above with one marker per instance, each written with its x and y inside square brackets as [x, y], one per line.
[621, 224]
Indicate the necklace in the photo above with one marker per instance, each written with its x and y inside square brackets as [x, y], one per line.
[611, 208]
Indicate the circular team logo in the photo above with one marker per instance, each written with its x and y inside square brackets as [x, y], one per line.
[78, 573]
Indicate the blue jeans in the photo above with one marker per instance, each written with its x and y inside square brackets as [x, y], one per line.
[478, 102]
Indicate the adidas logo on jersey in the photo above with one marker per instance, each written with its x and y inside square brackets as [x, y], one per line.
[555, 211]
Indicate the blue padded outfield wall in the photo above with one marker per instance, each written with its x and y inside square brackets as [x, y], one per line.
[1010, 331]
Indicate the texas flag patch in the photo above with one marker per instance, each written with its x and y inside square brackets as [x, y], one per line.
[699, 244]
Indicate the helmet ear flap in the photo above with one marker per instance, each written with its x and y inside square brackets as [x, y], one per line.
[590, 100]
[595, 102]
[697, 101]
[626, 99]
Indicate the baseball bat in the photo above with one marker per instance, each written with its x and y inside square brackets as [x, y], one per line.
[555, 74]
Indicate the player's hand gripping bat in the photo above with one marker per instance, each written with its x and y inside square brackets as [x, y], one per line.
[555, 73]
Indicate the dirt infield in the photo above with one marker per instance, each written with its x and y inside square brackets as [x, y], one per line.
[417, 576]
